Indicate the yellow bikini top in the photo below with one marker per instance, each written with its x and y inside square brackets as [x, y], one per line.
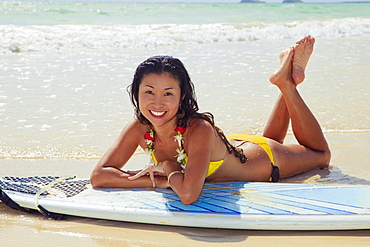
[213, 165]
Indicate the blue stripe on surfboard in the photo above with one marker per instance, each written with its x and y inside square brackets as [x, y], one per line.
[201, 207]
[235, 204]
[205, 204]
[326, 192]
[227, 203]
[245, 207]
[303, 191]
[328, 195]
[258, 208]
[167, 200]
[297, 190]
[308, 206]
[263, 187]
[236, 198]
[228, 199]
[143, 202]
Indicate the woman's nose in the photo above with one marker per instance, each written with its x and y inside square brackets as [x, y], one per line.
[158, 101]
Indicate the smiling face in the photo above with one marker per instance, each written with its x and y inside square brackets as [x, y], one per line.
[159, 98]
[173, 68]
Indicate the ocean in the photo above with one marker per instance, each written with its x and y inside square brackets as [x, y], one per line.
[65, 67]
[64, 26]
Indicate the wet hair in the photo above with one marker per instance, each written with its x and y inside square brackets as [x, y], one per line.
[188, 108]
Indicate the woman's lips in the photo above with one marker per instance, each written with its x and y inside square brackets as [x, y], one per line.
[158, 113]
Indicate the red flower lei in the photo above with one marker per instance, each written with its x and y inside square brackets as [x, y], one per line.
[149, 140]
[148, 137]
[180, 129]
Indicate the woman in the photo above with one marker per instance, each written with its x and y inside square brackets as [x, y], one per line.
[188, 149]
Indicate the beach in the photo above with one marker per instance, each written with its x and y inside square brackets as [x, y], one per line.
[63, 102]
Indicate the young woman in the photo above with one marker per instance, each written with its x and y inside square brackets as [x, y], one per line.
[188, 149]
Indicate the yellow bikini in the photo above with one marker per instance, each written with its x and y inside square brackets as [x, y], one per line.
[259, 140]
[263, 143]
[213, 165]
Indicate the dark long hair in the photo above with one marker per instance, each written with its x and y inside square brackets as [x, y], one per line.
[188, 108]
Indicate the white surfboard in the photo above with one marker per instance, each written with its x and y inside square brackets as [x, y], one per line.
[234, 205]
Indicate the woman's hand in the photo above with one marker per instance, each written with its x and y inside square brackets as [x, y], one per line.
[161, 182]
[132, 173]
[153, 170]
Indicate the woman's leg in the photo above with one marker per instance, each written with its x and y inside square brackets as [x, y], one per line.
[313, 150]
[302, 52]
[278, 122]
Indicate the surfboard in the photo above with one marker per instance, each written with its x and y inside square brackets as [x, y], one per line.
[232, 205]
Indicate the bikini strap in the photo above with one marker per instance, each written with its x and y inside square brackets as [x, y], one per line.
[275, 174]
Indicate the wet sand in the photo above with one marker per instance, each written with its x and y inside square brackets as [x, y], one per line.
[36, 231]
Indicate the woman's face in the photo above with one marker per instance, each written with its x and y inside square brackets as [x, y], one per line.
[159, 98]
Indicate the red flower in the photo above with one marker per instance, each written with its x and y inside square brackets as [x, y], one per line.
[182, 130]
[147, 136]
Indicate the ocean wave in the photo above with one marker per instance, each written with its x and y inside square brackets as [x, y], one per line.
[328, 131]
[49, 152]
[16, 38]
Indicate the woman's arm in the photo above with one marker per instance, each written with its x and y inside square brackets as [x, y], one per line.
[108, 173]
[199, 146]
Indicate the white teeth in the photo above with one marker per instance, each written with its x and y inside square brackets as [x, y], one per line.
[157, 113]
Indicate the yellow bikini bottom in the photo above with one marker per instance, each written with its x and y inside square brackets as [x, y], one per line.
[259, 140]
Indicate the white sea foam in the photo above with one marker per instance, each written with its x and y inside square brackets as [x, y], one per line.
[47, 153]
[16, 38]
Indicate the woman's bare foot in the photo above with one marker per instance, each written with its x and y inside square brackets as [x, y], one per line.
[302, 52]
[283, 75]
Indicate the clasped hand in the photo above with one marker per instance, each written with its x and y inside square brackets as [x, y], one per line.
[153, 170]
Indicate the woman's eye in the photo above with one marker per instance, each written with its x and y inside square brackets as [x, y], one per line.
[168, 94]
[149, 92]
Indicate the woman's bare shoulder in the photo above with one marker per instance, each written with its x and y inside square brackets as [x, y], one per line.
[200, 128]
[199, 124]
[134, 130]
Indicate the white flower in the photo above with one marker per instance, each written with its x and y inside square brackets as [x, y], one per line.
[181, 155]
[178, 139]
[148, 142]
[149, 151]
